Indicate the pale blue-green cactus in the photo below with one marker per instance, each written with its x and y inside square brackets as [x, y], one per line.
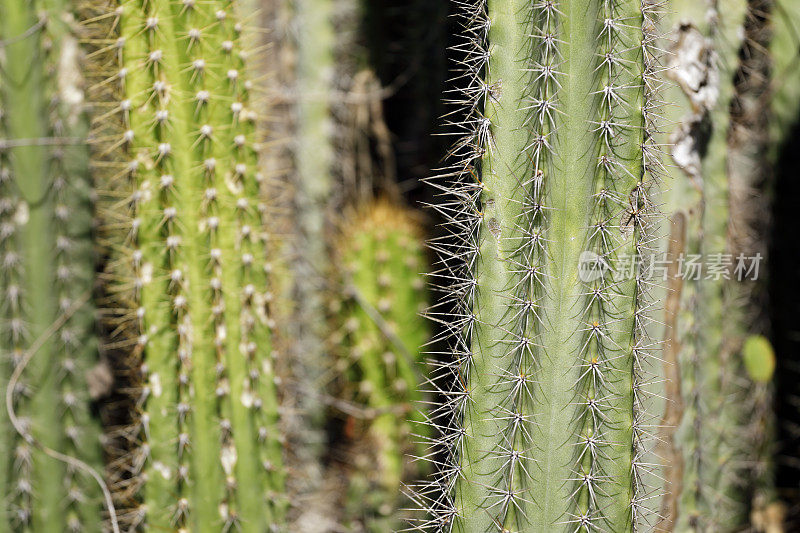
[543, 428]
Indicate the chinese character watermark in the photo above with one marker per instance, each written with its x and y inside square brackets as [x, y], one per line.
[656, 266]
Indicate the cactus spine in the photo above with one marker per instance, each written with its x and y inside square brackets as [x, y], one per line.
[188, 268]
[381, 254]
[47, 271]
[548, 429]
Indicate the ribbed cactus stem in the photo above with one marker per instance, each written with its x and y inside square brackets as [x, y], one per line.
[47, 266]
[689, 31]
[312, 182]
[185, 227]
[551, 425]
[716, 168]
[381, 253]
[494, 362]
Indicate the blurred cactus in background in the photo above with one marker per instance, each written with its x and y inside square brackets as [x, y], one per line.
[718, 472]
[707, 441]
[380, 338]
[47, 339]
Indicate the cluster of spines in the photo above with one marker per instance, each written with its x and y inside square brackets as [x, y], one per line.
[617, 350]
[45, 226]
[642, 212]
[183, 223]
[497, 451]
[381, 332]
[622, 204]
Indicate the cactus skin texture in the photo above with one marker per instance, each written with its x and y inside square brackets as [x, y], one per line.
[314, 176]
[188, 270]
[544, 427]
[47, 269]
[312, 66]
[381, 253]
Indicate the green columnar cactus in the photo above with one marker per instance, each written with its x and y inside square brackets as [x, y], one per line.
[188, 270]
[314, 152]
[46, 270]
[548, 356]
[382, 332]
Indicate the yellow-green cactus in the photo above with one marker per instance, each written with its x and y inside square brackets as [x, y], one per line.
[188, 274]
[381, 337]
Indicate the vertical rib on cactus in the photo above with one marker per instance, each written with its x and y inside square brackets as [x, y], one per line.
[548, 428]
[501, 319]
[188, 267]
[381, 255]
[47, 266]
